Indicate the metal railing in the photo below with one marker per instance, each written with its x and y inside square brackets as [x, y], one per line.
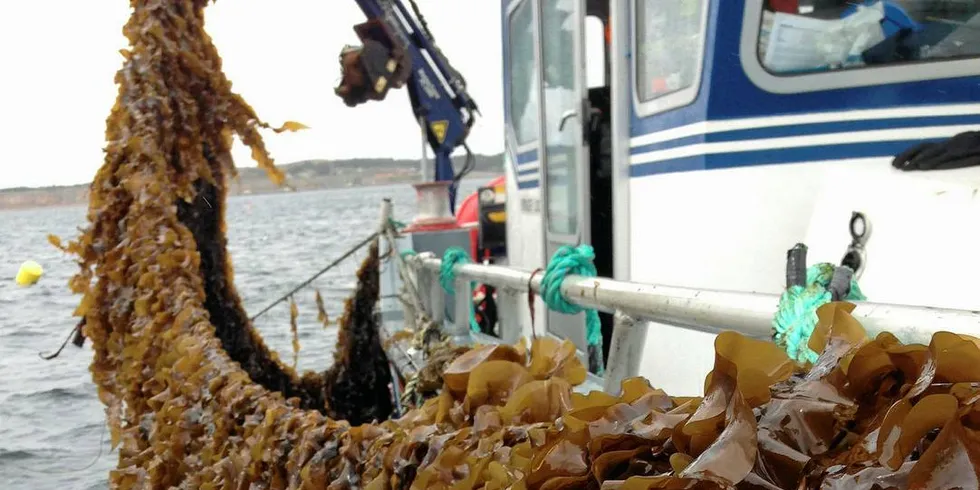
[750, 314]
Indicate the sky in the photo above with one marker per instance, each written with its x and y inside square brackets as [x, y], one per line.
[58, 59]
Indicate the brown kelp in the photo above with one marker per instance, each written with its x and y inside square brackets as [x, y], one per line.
[357, 383]
[196, 401]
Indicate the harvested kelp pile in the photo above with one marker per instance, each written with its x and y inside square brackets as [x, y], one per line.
[196, 401]
[869, 414]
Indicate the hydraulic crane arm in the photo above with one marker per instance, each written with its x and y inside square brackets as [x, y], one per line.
[398, 51]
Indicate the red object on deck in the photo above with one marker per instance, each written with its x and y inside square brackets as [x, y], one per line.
[468, 215]
[430, 227]
[787, 6]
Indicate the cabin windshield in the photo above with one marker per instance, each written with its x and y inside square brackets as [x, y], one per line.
[558, 31]
[523, 77]
[805, 36]
[669, 36]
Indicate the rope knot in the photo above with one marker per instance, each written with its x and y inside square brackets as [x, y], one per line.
[566, 261]
[447, 270]
[796, 317]
[574, 261]
[447, 277]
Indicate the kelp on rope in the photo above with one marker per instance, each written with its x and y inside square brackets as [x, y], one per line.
[196, 401]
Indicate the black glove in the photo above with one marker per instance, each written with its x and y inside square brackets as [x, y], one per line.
[960, 151]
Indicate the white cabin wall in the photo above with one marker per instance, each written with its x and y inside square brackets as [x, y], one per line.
[924, 241]
[525, 245]
[730, 229]
[721, 229]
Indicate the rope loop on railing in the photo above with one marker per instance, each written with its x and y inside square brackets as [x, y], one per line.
[796, 316]
[574, 261]
[447, 278]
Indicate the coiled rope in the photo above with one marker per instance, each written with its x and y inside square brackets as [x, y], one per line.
[796, 316]
[447, 278]
[574, 261]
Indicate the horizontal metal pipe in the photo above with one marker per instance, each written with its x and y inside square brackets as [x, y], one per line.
[715, 311]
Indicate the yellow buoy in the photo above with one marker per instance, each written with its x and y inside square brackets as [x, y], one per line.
[30, 272]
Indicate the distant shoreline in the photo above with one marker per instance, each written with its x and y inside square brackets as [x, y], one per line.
[302, 176]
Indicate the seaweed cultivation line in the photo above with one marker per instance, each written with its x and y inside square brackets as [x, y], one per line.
[195, 400]
[69, 471]
[363, 243]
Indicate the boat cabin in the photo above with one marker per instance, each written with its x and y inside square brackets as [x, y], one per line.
[693, 142]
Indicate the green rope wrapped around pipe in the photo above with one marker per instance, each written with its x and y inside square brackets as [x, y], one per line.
[574, 261]
[797, 314]
[447, 277]
[396, 225]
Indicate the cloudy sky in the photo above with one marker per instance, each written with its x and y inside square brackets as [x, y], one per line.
[58, 58]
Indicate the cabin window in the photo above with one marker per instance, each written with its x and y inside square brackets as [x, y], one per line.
[561, 100]
[669, 52]
[523, 74]
[800, 37]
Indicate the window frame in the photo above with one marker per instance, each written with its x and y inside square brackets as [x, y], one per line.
[575, 167]
[677, 99]
[534, 69]
[837, 79]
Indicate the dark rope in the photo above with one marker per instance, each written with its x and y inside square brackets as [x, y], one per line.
[530, 300]
[312, 278]
[50, 471]
[75, 336]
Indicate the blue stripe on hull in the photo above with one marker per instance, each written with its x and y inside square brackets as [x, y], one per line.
[777, 156]
[527, 157]
[808, 129]
[520, 169]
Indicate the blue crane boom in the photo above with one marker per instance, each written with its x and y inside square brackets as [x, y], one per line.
[398, 50]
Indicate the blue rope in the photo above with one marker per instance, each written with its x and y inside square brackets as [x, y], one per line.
[447, 277]
[575, 261]
[797, 314]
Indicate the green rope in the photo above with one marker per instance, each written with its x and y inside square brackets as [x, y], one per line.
[395, 224]
[797, 315]
[447, 277]
[576, 261]
[408, 253]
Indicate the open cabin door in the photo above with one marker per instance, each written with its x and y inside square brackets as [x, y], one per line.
[565, 156]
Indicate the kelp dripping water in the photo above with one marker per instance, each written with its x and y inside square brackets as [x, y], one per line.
[196, 401]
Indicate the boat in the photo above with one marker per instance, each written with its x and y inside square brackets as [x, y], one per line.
[694, 169]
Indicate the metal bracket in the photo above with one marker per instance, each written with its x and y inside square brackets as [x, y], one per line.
[856, 256]
[625, 352]
[508, 318]
[463, 304]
